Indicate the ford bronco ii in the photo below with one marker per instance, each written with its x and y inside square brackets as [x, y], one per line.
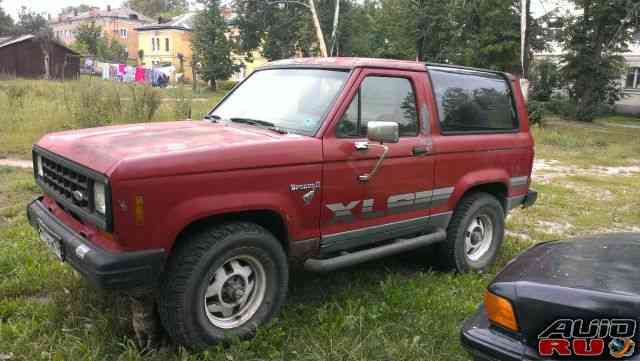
[323, 163]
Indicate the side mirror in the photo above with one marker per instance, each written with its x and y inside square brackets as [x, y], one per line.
[383, 132]
[378, 133]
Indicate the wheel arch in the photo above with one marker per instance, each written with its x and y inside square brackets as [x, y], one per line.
[269, 219]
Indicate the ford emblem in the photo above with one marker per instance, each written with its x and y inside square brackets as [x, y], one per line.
[78, 196]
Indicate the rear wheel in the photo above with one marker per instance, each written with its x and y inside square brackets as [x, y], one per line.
[223, 283]
[474, 234]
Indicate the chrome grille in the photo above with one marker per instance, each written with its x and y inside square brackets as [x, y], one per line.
[64, 182]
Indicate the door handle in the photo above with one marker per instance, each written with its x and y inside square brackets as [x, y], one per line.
[419, 150]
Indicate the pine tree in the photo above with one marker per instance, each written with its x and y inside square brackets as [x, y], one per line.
[211, 48]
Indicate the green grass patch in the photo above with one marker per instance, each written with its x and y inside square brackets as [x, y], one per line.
[30, 109]
[587, 145]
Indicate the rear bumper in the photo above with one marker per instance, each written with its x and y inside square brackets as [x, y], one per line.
[524, 200]
[486, 344]
[109, 270]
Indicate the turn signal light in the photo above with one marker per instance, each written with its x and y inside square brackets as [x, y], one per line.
[500, 311]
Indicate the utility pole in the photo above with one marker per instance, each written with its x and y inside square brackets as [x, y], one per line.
[334, 32]
[316, 23]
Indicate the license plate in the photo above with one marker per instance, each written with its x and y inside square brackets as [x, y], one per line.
[52, 241]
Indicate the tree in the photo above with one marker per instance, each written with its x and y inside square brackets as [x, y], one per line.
[30, 22]
[6, 23]
[592, 39]
[90, 41]
[210, 45]
[159, 8]
[90, 36]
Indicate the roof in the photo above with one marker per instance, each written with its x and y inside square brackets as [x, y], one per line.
[121, 13]
[182, 22]
[350, 63]
[8, 41]
[347, 63]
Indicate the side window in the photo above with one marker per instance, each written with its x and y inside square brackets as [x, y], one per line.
[470, 102]
[381, 99]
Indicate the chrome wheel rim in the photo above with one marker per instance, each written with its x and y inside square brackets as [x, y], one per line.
[235, 292]
[478, 237]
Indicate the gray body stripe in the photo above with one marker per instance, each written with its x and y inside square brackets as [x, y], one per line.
[367, 235]
[519, 181]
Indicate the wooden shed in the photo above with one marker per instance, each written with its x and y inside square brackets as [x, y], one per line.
[24, 57]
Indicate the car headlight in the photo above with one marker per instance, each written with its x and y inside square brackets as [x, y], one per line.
[100, 197]
[39, 166]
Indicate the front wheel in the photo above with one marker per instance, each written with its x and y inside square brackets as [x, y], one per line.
[223, 283]
[474, 234]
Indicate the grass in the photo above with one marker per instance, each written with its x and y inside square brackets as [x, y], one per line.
[619, 120]
[31, 108]
[586, 145]
[393, 309]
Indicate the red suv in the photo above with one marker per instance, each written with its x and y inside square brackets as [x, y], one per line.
[323, 163]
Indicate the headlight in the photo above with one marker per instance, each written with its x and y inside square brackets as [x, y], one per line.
[99, 198]
[39, 165]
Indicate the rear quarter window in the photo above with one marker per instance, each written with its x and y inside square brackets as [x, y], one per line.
[473, 102]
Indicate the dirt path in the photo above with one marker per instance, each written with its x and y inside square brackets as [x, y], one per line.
[545, 170]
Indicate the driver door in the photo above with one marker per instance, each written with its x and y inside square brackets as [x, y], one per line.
[395, 202]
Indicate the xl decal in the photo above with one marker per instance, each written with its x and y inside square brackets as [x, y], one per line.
[397, 203]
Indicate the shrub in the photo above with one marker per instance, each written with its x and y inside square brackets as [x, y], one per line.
[143, 104]
[182, 108]
[545, 78]
[536, 113]
[16, 94]
[93, 104]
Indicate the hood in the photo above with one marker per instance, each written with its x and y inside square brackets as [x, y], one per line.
[587, 278]
[171, 148]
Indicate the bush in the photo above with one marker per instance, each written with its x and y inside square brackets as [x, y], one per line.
[144, 103]
[182, 108]
[545, 78]
[536, 113]
[561, 107]
[16, 94]
[92, 104]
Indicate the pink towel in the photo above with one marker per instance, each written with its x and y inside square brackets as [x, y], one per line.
[140, 75]
[121, 69]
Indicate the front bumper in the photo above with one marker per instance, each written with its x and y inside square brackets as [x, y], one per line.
[486, 343]
[109, 270]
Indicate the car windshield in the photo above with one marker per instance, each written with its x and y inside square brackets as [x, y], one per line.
[295, 100]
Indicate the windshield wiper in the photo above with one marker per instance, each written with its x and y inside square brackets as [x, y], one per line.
[260, 123]
[212, 117]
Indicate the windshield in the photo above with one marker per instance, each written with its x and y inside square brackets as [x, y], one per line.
[292, 99]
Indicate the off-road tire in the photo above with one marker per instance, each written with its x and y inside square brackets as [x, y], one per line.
[452, 250]
[181, 302]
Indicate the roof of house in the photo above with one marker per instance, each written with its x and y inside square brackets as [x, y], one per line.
[182, 22]
[121, 13]
[8, 41]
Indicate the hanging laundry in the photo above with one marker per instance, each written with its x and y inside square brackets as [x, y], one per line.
[139, 75]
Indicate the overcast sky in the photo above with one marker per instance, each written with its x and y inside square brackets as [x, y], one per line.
[53, 6]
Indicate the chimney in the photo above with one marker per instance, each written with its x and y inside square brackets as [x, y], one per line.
[160, 19]
[108, 7]
[75, 12]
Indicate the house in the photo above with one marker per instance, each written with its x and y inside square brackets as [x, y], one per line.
[28, 56]
[118, 24]
[167, 43]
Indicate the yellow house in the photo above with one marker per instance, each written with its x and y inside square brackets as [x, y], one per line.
[167, 43]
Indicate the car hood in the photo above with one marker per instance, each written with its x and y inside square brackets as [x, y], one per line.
[171, 148]
[587, 278]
